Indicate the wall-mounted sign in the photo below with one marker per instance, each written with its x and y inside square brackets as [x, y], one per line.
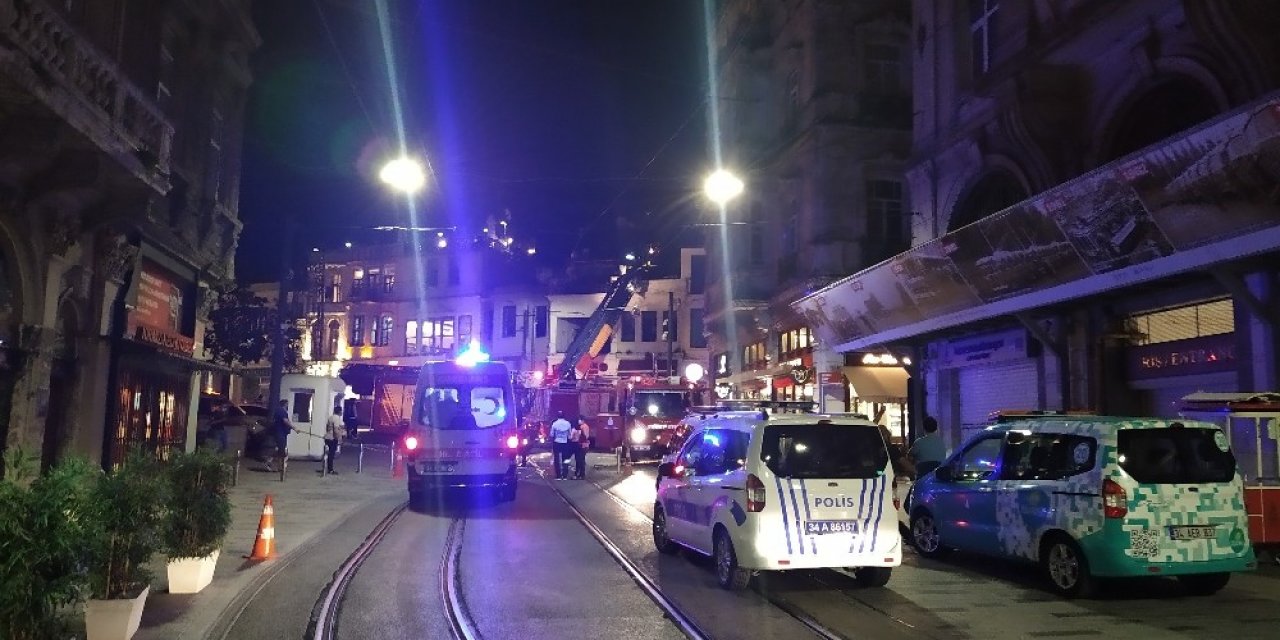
[157, 318]
[1209, 354]
[801, 374]
[984, 349]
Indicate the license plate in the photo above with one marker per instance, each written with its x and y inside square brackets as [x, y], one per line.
[436, 467]
[819, 527]
[1192, 533]
[639, 447]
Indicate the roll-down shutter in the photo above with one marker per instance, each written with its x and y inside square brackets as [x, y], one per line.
[984, 389]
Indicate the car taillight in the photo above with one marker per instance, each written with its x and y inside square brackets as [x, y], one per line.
[1115, 502]
[513, 442]
[411, 443]
[755, 494]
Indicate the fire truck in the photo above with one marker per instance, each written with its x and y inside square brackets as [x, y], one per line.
[637, 413]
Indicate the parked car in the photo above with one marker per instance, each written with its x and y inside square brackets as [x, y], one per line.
[1092, 497]
[770, 493]
[254, 419]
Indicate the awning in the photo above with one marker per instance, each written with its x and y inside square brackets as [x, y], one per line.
[878, 384]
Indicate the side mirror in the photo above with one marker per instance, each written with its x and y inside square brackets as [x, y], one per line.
[945, 473]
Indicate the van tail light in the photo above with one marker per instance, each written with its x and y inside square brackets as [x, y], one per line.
[411, 443]
[755, 494]
[513, 442]
[1115, 502]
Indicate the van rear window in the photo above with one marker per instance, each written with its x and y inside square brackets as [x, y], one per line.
[1176, 455]
[823, 451]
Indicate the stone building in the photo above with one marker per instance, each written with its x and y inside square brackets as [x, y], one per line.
[120, 138]
[1094, 212]
[813, 104]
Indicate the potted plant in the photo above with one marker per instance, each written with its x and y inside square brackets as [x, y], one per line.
[197, 517]
[125, 534]
[42, 545]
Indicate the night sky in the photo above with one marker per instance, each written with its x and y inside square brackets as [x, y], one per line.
[585, 119]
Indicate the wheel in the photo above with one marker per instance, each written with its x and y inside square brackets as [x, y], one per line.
[507, 493]
[925, 537]
[872, 576]
[1067, 568]
[1204, 584]
[661, 539]
[728, 573]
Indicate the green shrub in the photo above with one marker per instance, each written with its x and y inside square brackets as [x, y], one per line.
[198, 512]
[44, 533]
[125, 532]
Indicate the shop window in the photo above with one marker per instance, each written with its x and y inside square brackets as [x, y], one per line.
[697, 328]
[508, 321]
[411, 337]
[648, 326]
[541, 318]
[357, 331]
[1211, 318]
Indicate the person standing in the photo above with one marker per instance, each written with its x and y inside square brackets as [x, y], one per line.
[580, 450]
[334, 430]
[350, 420]
[281, 427]
[560, 445]
[928, 451]
[527, 435]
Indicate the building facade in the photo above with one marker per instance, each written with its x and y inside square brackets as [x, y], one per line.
[119, 180]
[1095, 220]
[813, 104]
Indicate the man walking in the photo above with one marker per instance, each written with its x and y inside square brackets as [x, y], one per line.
[334, 430]
[560, 445]
[928, 451]
[580, 450]
[281, 428]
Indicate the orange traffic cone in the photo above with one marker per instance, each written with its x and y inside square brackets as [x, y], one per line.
[264, 546]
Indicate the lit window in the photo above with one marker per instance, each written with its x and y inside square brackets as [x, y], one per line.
[411, 337]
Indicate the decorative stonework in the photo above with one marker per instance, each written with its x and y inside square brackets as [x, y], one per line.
[205, 299]
[115, 256]
[61, 231]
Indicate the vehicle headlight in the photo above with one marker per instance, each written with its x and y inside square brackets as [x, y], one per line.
[638, 435]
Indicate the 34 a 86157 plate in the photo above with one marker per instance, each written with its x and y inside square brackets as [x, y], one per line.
[1193, 532]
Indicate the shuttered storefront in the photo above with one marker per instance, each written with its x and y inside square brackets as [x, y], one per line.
[984, 389]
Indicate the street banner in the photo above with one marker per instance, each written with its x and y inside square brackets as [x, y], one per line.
[1202, 188]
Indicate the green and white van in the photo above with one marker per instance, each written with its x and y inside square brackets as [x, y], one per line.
[1092, 497]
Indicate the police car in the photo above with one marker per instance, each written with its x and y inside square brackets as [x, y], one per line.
[767, 493]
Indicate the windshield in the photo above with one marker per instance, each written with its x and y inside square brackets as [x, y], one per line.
[824, 451]
[462, 407]
[660, 404]
[1176, 455]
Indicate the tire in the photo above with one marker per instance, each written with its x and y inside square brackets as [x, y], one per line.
[925, 537]
[661, 539]
[730, 576]
[872, 577]
[1066, 568]
[507, 493]
[1204, 584]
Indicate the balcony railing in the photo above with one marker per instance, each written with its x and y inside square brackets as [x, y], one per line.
[64, 60]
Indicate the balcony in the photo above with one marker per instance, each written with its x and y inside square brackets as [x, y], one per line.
[49, 59]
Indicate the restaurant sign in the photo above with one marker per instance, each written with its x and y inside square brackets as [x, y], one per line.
[157, 317]
[1208, 354]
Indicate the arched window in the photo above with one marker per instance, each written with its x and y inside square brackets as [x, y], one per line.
[995, 191]
[317, 339]
[1168, 108]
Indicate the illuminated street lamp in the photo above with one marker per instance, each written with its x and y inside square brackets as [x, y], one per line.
[722, 186]
[404, 174]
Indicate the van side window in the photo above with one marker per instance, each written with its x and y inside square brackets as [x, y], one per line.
[978, 462]
[1047, 456]
[714, 453]
[691, 455]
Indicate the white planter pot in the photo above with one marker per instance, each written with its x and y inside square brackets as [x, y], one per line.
[114, 619]
[190, 575]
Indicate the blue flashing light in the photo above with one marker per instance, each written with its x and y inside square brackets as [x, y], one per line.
[472, 356]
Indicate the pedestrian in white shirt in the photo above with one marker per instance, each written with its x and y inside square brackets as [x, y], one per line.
[560, 450]
[334, 431]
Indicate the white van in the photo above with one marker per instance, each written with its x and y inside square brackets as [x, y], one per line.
[768, 493]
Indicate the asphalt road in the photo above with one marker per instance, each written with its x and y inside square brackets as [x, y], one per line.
[530, 570]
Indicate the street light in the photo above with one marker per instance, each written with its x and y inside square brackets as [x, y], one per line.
[722, 186]
[404, 174]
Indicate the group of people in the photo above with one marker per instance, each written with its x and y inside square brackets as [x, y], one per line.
[570, 440]
[335, 431]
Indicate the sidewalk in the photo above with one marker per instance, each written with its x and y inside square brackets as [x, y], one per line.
[306, 506]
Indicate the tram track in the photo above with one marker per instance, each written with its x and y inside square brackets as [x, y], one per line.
[324, 621]
[799, 615]
[460, 621]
